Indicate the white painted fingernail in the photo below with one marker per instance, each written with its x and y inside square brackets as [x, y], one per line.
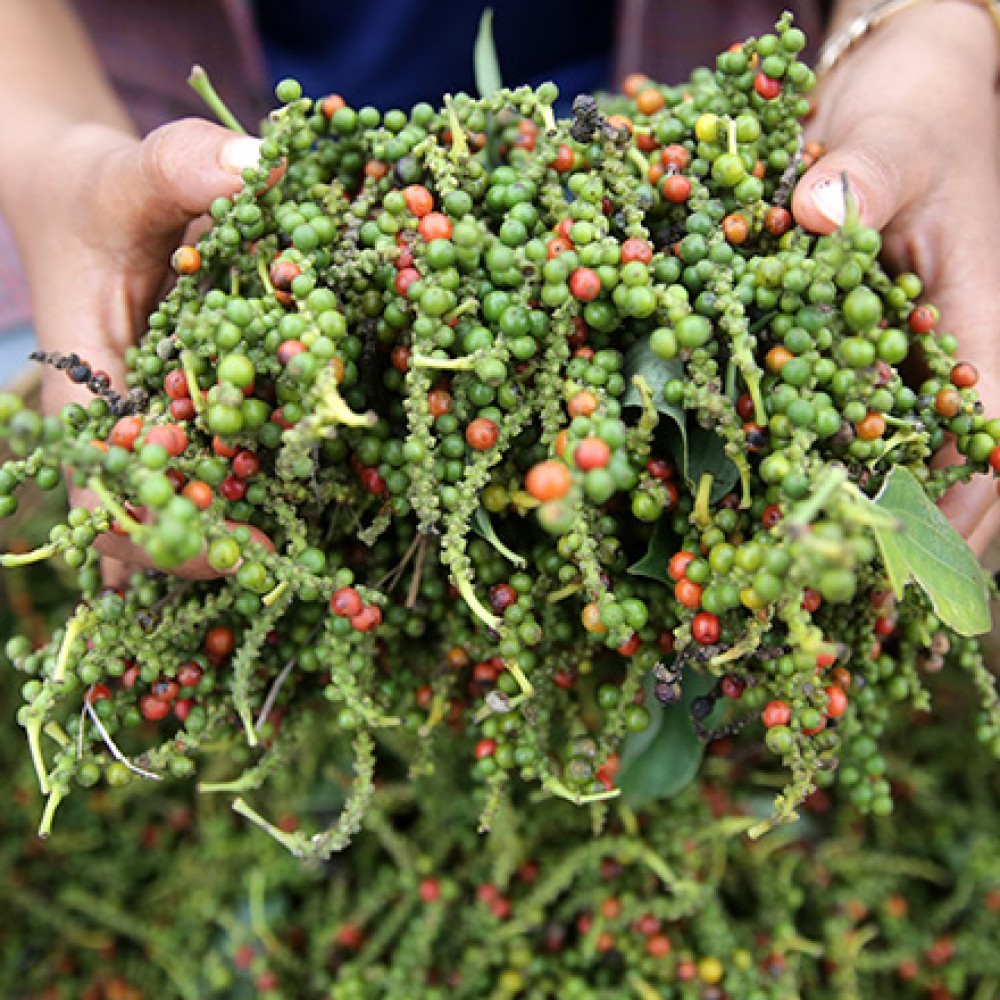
[828, 197]
[239, 154]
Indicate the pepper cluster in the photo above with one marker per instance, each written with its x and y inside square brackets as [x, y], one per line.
[502, 432]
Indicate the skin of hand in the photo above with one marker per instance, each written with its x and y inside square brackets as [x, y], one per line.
[115, 209]
[911, 116]
[95, 211]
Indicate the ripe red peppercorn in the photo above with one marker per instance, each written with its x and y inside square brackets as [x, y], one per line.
[584, 284]
[182, 409]
[430, 890]
[404, 278]
[189, 674]
[705, 628]
[232, 488]
[220, 641]
[153, 708]
[125, 432]
[346, 602]
[482, 434]
[434, 226]
[675, 156]
[688, 593]
[548, 480]
[922, 319]
[733, 687]
[777, 220]
[592, 453]
[485, 748]
[502, 596]
[776, 713]
[836, 701]
[175, 384]
[766, 86]
[678, 564]
[964, 375]
[636, 249]
[246, 464]
[367, 619]
[676, 188]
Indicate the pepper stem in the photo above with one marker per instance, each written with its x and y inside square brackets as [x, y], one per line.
[199, 82]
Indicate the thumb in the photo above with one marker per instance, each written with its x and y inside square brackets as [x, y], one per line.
[179, 169]
[876, 158]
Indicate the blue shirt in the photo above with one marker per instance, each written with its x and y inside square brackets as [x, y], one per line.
[394, 53]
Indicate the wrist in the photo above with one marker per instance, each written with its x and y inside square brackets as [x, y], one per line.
[968, 30]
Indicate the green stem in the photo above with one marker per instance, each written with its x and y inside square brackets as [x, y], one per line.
[72, 631]
[48, 815]
[465, 364]
[556, 787]
[34, 731]
[194, 390]
[200, 83]
[291, 842]
[26, 558]
[125, 520]
[268, 599]
[702, 514]
[464, 588]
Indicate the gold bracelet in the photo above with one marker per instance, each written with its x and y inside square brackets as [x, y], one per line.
[838, 45]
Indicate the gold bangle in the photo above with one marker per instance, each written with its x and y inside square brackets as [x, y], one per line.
[837, 46]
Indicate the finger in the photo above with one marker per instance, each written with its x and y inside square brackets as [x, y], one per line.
[121, 549]
[875, 156]
[178, 170]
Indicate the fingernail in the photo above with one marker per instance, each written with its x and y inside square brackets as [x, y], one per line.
[828, 197]
[239, 154]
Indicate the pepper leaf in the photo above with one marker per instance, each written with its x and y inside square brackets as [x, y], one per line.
[927, 550]
[661, 547]
[695, 449]
[485, 63]
[663, 760]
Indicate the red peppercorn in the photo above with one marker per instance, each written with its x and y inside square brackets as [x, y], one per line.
[430, 890]
[584, 284]
[776, 713]
[766, 86]
[705, 628]
[367, 619]
[232, 488]
[678, 564]
[592, 453]
[246, 464]
[175, 384]
[153, 708]
[482, 434]
[346, 602]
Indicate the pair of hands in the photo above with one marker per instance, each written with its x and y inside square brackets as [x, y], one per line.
[911, 116]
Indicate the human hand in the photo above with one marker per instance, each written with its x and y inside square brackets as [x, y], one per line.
[912, 118]
[104, 212]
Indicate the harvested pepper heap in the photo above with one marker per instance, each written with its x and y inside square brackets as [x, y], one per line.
[571, 452]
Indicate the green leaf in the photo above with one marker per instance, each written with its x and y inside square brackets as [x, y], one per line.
[663, 760]
[661, 547]
[485, 62]
[927, 550]
[695, 449]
